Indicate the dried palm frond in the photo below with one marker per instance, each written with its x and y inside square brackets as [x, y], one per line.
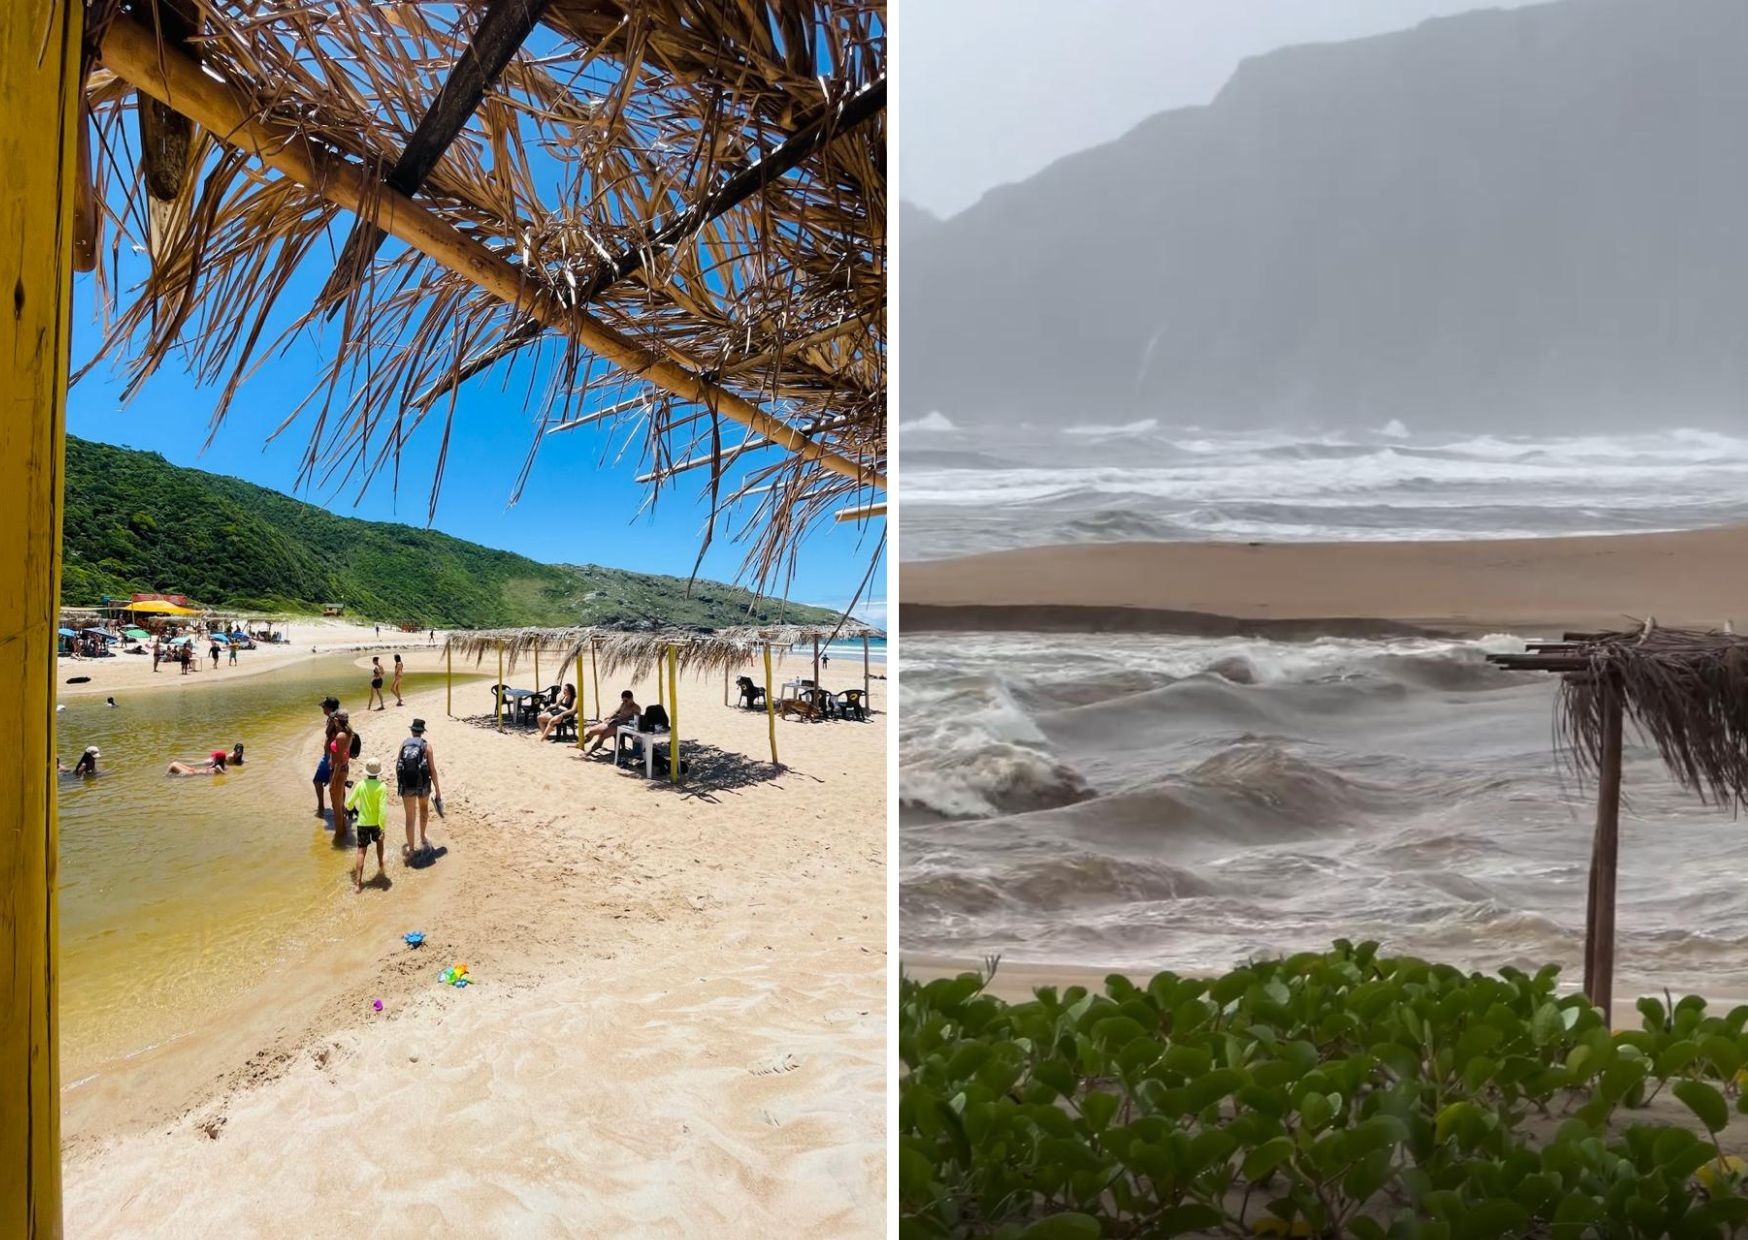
[643, 650]
[596, 164]
[1683, 691]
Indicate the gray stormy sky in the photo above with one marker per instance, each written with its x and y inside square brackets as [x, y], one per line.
[990, 91]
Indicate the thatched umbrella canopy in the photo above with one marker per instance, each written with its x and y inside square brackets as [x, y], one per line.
[666, 216]
[641, 652]
[1686, 692]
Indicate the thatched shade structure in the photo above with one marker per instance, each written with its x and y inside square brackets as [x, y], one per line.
[668, 216]
[1683, 690]
[644, 652]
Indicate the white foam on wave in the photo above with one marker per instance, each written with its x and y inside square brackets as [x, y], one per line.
[934, 420]
[1145, 426]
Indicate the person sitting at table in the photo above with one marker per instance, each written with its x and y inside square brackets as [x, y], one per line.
[628, 712]
[564, 708]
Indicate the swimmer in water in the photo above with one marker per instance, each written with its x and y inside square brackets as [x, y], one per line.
[87, 763]
[214, 765]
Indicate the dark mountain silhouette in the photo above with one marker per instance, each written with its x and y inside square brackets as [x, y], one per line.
[1535, 219]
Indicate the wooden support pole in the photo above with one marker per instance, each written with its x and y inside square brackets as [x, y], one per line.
[816, 683]
[770, 706]
[169, 75]
[594, 674]
[673, 716]
[582, 714]
[39, 97]
[1605, 856]
[867, 677]
[537, 668]
[449, 682]
[498, 708]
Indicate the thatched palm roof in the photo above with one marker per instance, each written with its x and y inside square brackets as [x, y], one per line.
[642, 651]
[667, 216]
[1684, 690]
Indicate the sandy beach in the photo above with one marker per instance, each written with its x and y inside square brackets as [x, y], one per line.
[1688, 579]
[310, 638]
[678, 1025]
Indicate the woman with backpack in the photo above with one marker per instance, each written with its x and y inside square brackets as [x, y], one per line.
[416, 781]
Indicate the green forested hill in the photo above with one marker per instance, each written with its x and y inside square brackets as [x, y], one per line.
[136, 522]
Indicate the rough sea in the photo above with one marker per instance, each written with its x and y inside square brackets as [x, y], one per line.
[1150, 801]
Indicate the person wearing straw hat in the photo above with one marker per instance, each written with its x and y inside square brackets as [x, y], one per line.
[370, 800]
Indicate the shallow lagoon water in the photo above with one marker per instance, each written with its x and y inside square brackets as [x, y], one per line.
[177, 896]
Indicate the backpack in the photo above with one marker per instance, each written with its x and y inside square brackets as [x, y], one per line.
[655, 719]
[412, 768]
[357, 745]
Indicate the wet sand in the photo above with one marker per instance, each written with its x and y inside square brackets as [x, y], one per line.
[678, 1026]
[1689, 579]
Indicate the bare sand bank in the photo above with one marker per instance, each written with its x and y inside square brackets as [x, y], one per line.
[678, 1026]
[1692, 578]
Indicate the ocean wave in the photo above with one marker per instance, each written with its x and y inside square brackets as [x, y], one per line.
[1146, 426]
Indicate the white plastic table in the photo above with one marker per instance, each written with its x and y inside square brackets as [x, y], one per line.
[648, 740]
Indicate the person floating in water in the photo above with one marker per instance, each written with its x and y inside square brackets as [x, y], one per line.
[214, 764]
[370, 800]
[111, 701]
[85, 766]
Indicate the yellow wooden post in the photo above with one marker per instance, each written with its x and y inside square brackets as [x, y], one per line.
[537, 668]
[498, 708]
[449, 682]
[582, 715]
[594, 673]
[39, 97]
[770, 705]
[673, 716]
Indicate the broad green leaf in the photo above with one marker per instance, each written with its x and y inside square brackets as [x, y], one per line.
[1704, 1101]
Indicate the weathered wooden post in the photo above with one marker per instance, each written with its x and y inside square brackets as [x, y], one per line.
[39, 97]
[449, 681]
[867, 679]
[1605, 856]
[498, 708]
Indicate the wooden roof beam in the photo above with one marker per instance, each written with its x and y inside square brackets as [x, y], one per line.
[134, 55]
[501, 31]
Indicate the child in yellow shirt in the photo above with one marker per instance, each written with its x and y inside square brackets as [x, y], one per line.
[370, 799]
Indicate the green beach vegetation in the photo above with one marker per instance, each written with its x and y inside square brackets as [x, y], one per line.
[1326, 1094]
[136, 522]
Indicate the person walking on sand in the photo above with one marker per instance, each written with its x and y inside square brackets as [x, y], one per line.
[233, 659]
[370, 799]
[375, 702]
[325, 768]
[215, 653]
[416, 781]
[628, 712]
[396, 685]
[340, 760]
[157, 654]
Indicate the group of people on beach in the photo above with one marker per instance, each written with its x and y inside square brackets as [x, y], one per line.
[376, 701]
[343, 798]
[565, 708]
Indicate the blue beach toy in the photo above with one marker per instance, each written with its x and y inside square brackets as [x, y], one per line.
[414, 937]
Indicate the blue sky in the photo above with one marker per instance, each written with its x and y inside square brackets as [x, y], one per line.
[577, 474]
